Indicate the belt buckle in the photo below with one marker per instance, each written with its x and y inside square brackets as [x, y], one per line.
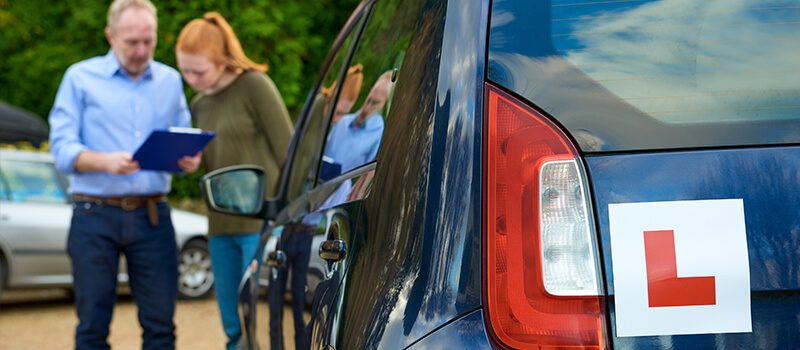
[126, 204]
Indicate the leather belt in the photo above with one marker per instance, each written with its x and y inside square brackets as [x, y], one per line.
[128, 203]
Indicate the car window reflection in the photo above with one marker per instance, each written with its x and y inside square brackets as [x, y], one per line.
[3, 191]
[351, 88]
[303, 171]
[355, 139]
[682, 62]
[30, 182]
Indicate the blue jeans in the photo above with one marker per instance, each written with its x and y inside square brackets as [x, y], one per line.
[97, 236]
[297, 247]
[230, 256]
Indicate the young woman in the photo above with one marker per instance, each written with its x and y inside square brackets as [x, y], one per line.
[241, 104]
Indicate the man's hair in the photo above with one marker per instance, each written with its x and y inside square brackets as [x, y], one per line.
[118, 6]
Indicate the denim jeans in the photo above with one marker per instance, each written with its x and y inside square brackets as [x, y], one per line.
[230, 256]
[297, 247]
[97, 236]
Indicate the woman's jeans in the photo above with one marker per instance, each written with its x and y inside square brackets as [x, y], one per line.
[230, 256]
[97, 236]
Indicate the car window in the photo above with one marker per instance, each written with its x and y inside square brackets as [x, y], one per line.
[302, 174]
[29, 181]
[687, 62]
[354, 138]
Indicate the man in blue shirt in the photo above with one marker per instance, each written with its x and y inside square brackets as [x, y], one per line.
[105, 108]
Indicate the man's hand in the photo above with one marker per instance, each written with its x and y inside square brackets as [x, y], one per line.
[115, 163]
[190, 164]
[121, 163]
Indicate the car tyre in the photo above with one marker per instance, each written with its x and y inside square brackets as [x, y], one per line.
[195, 278]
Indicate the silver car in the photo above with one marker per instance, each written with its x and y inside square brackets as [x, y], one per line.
[35, 215]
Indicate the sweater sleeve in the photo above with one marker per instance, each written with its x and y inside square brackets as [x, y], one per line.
[271, 117]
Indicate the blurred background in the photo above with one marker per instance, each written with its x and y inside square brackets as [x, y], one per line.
[40, 39]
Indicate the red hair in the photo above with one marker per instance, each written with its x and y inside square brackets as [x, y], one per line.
[213, 37]
[351, 87]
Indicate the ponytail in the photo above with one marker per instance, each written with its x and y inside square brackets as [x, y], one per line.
[214, 37]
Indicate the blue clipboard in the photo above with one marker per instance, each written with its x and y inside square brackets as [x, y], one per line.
[163, 148]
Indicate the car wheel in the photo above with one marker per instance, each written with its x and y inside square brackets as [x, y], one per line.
[195, 279]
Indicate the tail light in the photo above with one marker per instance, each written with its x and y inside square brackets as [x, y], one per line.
[542, 287]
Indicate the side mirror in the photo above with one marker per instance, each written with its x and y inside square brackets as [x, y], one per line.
[238, 190]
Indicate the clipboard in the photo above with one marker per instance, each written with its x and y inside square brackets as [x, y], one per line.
[163, 148]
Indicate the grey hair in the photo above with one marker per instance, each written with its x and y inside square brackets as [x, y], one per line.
[118, 6]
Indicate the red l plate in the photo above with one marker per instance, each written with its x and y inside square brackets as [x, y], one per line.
[664, 287]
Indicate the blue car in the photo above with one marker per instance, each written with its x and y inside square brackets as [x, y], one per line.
[519, 174]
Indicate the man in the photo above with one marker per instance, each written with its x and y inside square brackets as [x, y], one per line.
[355, 139]
[105, 108]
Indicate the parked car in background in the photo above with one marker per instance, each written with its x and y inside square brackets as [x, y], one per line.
[551, 175]
[35, 215]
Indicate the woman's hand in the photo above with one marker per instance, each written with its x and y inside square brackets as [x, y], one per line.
[190, 164]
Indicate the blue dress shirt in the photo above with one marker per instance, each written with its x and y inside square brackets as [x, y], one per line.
[353, 147]
[100, 108]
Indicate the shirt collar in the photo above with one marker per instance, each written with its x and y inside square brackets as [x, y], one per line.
[113, 67]
[367, 124]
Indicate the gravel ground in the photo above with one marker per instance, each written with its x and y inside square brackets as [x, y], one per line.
[45, 319]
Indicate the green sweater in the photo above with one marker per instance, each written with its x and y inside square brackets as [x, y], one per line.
[253, 127]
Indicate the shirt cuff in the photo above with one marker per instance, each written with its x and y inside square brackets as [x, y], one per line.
[65, 161]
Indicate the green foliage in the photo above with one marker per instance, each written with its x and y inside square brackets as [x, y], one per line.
[186, 185]
[385, 40]
[40, 39]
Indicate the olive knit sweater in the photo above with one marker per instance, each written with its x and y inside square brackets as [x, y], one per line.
[252, 127]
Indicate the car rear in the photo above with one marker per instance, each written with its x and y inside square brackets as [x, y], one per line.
[640, 183]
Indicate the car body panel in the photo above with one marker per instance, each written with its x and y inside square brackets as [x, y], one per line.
[467, 332]
[38, 247]
[316, 267]
[416, 261]
[433, 255]
[771, 198]
[338, 222]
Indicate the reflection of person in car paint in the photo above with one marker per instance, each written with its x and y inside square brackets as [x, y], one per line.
[295, 242]
[355, 140]
[349, 94]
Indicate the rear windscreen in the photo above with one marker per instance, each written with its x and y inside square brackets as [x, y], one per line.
[688, 61]
[659, 64]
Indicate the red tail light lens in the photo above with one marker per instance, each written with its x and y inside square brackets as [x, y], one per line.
[542, 287]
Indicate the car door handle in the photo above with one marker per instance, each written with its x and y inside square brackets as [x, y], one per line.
[333, 250]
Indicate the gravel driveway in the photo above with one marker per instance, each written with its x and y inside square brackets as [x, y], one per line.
[45, 319]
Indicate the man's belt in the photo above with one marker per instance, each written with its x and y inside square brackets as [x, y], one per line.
[128, 203]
